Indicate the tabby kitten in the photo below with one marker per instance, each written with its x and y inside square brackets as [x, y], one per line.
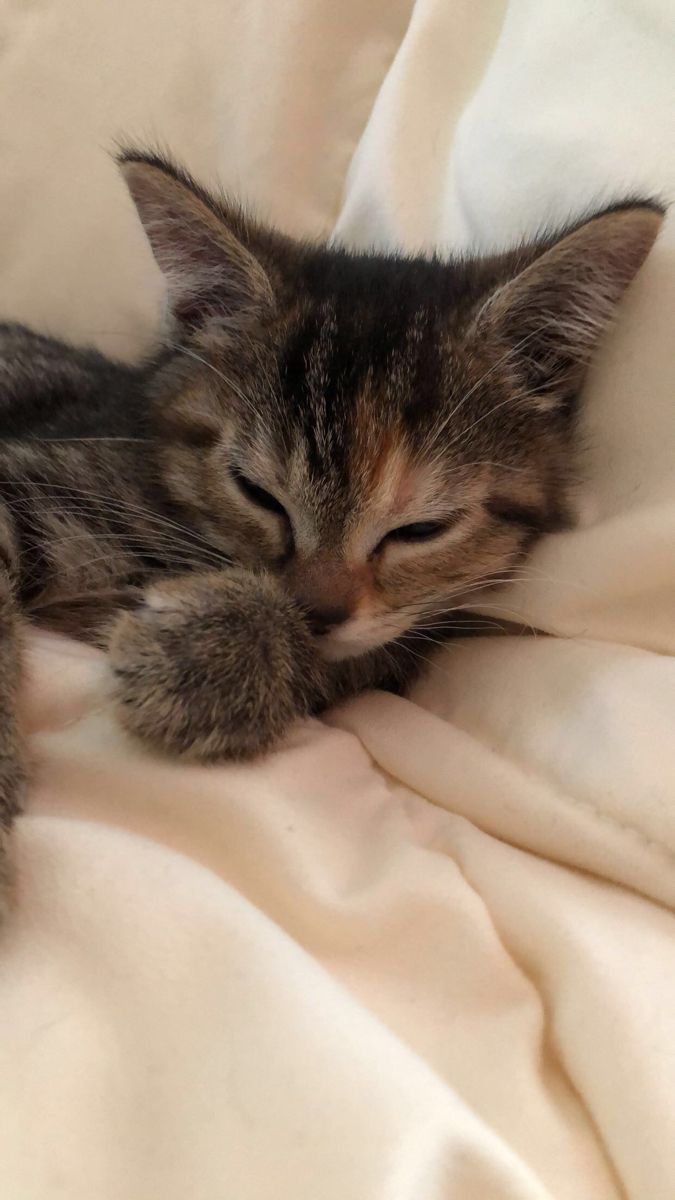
[326, 455]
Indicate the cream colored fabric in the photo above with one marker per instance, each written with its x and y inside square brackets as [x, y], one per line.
[427, 950]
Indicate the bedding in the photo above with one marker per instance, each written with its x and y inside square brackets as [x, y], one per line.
[426, 949]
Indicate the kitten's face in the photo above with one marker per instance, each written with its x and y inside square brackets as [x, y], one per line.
[384, 435]
[376, 474]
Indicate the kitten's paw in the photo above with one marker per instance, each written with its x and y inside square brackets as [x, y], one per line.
[214, 666]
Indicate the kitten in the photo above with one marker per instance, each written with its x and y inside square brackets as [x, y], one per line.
[327, 454]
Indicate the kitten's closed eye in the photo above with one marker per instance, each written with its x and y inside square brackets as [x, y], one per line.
[258, 495]
[420, 531]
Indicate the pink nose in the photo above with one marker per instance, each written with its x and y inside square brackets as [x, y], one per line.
[326, 589]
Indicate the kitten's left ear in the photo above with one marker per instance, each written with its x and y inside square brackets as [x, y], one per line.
[552, 313]
[210, 273]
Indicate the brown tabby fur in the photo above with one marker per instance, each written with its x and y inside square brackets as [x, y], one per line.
[327, 454]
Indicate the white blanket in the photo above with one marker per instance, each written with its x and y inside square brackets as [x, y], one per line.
[427, 950]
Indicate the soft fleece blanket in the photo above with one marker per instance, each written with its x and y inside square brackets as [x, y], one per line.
[427, 950]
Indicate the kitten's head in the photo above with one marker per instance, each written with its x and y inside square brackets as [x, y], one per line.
[382, 433]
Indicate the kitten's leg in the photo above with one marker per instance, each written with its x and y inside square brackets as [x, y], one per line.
[219, 665]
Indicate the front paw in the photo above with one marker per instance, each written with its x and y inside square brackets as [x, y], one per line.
[213, 666]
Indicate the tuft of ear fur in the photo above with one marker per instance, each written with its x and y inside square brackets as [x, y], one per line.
[209, 272]
[553, 313]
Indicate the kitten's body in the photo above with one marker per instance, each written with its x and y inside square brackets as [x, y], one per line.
[325, 458]
[78, 471]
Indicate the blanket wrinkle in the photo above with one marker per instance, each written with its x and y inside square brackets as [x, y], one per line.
[510, 771]
[548, 1044]
[530, 771]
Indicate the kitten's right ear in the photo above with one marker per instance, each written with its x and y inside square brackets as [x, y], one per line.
[553, 310]
[210, 274]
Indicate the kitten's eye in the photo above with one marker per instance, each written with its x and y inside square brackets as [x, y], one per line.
[516, 514]
[419, 531]
[257, 495]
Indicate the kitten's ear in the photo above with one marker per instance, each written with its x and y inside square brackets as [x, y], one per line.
[209, 272]
[553, 313]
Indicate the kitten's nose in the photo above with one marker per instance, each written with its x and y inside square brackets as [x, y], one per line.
[322, 620]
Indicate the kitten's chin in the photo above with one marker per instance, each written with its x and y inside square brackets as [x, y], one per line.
[333, 651]
[338, 647]
[357, 637]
